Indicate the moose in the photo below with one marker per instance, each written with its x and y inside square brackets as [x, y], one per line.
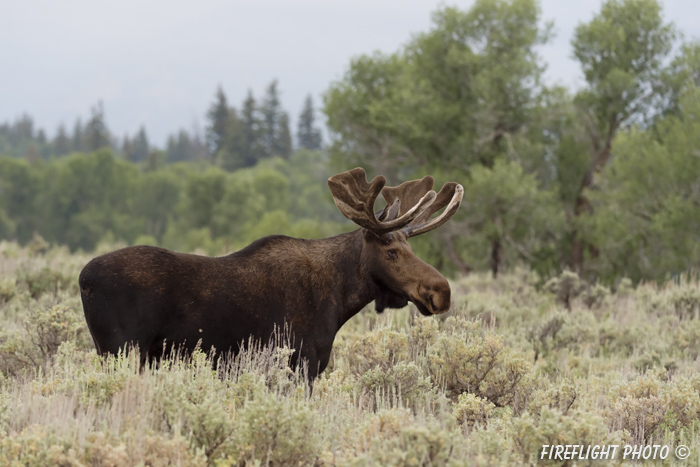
[157, 299]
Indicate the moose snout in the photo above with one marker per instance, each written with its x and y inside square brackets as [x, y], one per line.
[435, 296]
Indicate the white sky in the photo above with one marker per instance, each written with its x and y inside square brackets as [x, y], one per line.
[158, 62]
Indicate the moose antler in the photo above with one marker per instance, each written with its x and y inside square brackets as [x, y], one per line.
[450, 195]
[355, 198]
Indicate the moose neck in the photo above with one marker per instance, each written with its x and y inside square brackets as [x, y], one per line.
[352, 286]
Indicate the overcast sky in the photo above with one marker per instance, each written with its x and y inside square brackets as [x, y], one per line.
[158, 62]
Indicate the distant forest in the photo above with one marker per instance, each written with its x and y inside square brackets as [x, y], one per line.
[603, 180]
[234, 138]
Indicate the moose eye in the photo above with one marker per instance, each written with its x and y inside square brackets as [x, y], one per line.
[392, 254]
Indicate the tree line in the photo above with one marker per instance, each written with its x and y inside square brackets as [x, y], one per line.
[232, 138]
[87, 198]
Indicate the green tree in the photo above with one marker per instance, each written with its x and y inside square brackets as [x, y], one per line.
[157, 197]
[308, 135]
[140, 148]
[465, 94]
[646, 209]
[456, 95]
[20, 182]
[61, 143]
[87, 196]
[251, 143]
[240, 206]
[218, 123]
[77, 142]
[184, 147]
[96, 134]
[512, 220]
[275, 139]
[284, 138]
[202, 193]
[622, 52]
[232, 155]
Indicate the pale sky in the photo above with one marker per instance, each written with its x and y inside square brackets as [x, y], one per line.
[158, 62]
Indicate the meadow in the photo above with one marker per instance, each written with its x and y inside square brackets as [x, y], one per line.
[516, 364]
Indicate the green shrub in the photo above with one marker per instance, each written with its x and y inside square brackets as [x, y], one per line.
[475, 359]
[471, 410]
[391, 439]
[554, 428]
[275, 431]
[44, 331]
[45, 281]
[561, 397]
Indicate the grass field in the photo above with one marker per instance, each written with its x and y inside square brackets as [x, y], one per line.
[515, 365]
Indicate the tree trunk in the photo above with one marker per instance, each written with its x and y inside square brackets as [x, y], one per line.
[496, 256]
[583, 205]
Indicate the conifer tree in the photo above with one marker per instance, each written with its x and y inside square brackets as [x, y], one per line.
[230, 156]
[283, 141]
[128, 148]
[269, 123]
[218, 117]
[275, 136]
[61, 143]
[140, 146]
[96, 132]
[308, 136]
[251, 131]
[77, 143]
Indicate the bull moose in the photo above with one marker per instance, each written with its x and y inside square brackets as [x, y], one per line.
[158, 299]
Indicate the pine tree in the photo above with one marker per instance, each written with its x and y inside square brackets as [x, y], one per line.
[78, 136]
[308, 136]
[251, 131]
[41, 136]
[140, 146]
[270, 111]
[232, 155]
[61, 143]
[128, 148]
[275, 136]
[218, 116]
[283, 140]
[96, 132]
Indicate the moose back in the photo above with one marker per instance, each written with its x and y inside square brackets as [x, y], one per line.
[157, 299]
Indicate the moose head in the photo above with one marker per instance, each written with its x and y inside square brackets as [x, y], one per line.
[398, 274]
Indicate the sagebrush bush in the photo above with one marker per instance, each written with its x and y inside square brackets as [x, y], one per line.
[552, 427]
[472, 358]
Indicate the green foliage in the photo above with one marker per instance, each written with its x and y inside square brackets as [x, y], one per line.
[308, 135]
[503, 204]
[454, 95]
[471, 410]
[645, 219]
[475, 359]
[622, 84]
